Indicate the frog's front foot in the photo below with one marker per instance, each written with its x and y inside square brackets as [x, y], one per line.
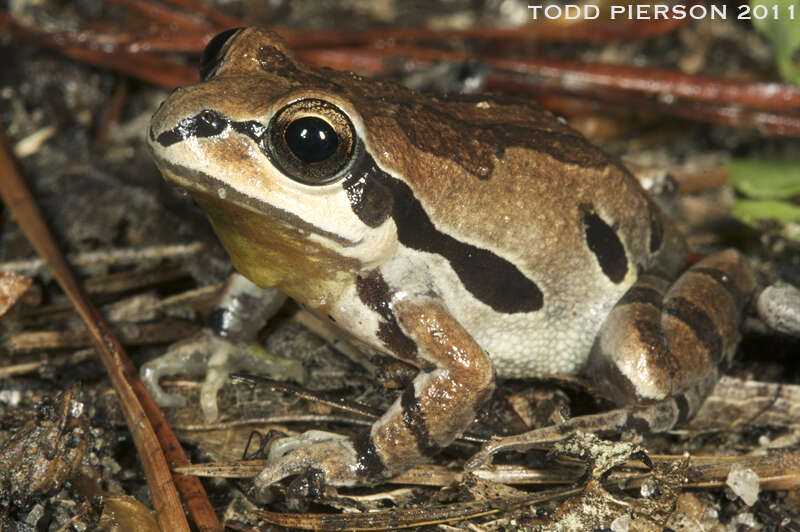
[332, 456]
[207, 354]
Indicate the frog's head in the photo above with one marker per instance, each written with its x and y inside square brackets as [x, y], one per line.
[274, 153]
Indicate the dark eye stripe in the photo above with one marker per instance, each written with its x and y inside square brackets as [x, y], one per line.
[208, 124]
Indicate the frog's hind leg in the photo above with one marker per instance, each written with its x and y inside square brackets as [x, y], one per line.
[660, 351]
[666, 339]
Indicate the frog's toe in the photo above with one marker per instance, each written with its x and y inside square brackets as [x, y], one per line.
[208, 355]
[150, 373]
[330, 455]
[187, 358]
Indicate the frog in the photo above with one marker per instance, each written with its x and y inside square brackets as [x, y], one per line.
[474, 238]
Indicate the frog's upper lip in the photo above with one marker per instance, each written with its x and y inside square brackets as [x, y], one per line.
[201, 182]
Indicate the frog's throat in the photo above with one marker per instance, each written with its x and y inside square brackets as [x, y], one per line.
[200, 184]
[269, 246]
[272, 252]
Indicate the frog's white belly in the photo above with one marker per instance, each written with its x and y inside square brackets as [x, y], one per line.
[554, 339]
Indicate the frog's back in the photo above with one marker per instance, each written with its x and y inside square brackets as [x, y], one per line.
[534, 233]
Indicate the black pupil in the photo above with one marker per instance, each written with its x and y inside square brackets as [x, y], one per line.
[311, 139]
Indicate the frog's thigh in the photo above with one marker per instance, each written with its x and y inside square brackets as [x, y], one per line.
[442, 401]
[662, 340]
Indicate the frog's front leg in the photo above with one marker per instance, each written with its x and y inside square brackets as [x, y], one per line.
[456, 378]
[660, 351]
[226, 344]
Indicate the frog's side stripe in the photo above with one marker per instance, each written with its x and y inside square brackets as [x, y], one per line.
[374, 196]
[414, 419]
[605, 244]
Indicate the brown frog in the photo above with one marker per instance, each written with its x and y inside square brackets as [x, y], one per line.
[469, 237]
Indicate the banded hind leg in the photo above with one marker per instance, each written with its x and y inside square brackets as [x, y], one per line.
[659, 352]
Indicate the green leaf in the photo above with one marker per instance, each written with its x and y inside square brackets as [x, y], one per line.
[782, 30]
[765, 179]
[751, 212]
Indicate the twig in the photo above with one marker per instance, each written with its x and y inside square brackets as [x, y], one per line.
[406, 518]
[165, 331]
[777, 470]
[121, 256]
[121, 371]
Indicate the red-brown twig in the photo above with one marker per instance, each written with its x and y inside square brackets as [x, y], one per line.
[145, 420]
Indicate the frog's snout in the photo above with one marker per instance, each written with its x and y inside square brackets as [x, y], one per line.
[156, 124]
[167, 117]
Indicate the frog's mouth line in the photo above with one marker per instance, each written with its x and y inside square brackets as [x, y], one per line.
[191, 179]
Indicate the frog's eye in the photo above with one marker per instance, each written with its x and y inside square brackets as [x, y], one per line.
[214, 52]
[311, 141]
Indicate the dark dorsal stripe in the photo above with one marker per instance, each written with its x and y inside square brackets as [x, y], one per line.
[698, 321]
[477, 144]
[374, 196]
[414, 419]
[605, 244]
